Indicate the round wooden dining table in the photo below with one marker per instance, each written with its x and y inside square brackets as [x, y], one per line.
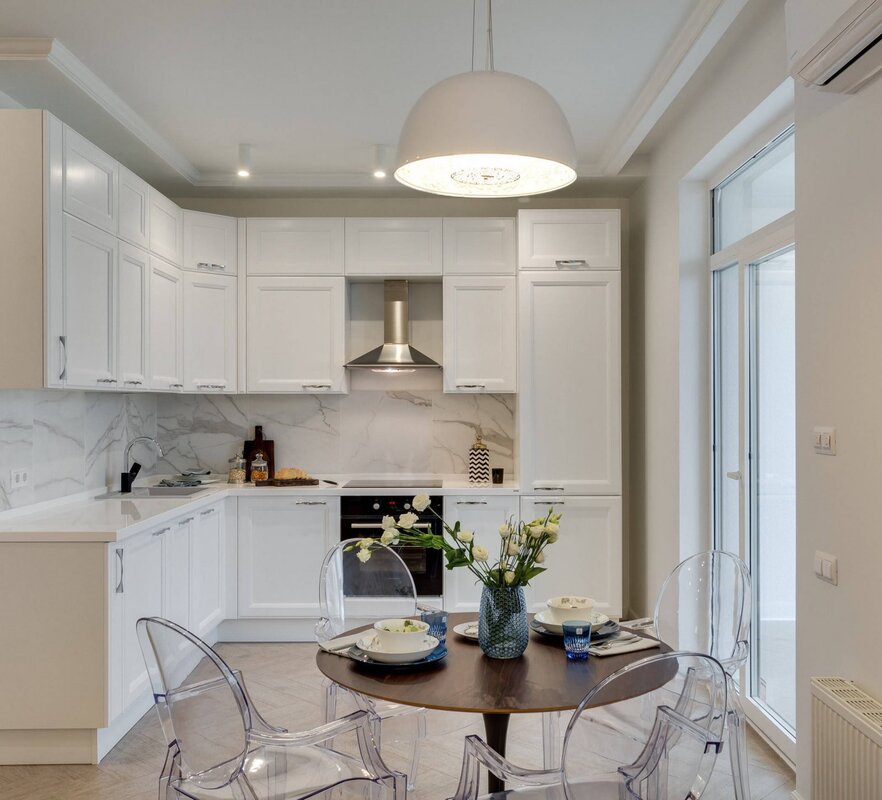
[542, 679]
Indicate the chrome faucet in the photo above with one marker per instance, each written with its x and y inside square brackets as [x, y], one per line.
[128, 477]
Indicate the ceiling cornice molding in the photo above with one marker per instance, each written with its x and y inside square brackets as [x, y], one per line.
[704, 28]
[57, 55]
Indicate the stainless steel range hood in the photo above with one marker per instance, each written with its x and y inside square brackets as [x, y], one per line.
[395, 354]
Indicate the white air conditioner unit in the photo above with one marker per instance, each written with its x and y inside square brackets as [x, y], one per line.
[835, 45]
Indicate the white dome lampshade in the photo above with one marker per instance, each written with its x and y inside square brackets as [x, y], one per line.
[486, 134]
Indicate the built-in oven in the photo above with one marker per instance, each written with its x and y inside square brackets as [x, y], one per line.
[361, 516]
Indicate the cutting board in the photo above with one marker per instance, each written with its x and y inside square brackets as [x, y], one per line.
[259, 445]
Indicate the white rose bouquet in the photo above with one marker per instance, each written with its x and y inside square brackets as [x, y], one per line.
[521, 545]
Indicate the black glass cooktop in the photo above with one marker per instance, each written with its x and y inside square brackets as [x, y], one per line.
[382, 484]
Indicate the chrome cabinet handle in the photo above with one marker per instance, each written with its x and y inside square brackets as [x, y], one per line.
[133, 383]
[471, 386]
[186, 521]
[471, 502]
[735, 476]
[62, 340]
[105, 380]
[161, 531]
[316, 385]
[549, 503]
[549, 488]
[206, 513]
[176, 386]
[563, 263]
[121, 568]
[209, 266]
[362, 526]
[211, 386]
[311, 503]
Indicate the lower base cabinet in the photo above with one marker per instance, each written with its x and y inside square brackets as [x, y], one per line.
[207, 570]
[282, 544]
[587, 559]
[482, 516]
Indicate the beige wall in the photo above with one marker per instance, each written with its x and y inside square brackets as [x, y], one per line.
[669, 324]
[838, 383]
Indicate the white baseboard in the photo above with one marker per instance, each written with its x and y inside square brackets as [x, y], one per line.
[794, 795]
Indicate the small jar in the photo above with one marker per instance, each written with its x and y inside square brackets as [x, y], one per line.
[236, 473]
[259, 469]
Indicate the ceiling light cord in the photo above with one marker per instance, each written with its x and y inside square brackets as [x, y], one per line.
[474, 15]
[490, 65]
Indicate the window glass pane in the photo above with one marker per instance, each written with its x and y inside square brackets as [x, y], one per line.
[759, 192]
[726, 409]
[773, 483]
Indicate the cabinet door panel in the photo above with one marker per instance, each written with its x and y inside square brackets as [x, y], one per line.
[569, 239]
[479, 246]
[303, 346]
[166, 228]
[295, 246]
[210, 324]
[176, 574]
[587, 558]
[134, 286]
[482, 515]
[480, 334]
[166, 326]
[393, 246]
[570, 366]
[282, 544]
[210, 243]
[134, 209]
[90, 182]
[90, 269]
[207, 571]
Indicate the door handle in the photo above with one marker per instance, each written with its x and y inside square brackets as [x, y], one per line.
[316, 385]
[563, 263]
[549, 503]
[363, 526]
[121, 567]
[549, 488]
[206, 513]
[310, 503]
[62, 340]
[471, 386]
[471, 502]
[161, 531]
[735, 476]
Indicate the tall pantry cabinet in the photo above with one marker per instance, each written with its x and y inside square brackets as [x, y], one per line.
[570, 404]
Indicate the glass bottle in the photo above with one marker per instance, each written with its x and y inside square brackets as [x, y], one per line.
[236, 473]
[259, 468]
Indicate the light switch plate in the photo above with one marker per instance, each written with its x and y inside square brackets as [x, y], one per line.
[824, 441]
[827, 567]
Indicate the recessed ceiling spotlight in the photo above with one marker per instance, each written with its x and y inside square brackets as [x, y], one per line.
[383, 159]
[379, 173]
[244, 170]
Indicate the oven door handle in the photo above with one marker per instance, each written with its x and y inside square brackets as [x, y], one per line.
[375, 525]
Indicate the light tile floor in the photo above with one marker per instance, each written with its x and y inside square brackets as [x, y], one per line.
[286, 685]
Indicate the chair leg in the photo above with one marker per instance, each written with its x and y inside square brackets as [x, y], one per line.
[330, 701]
[551, 739]
[738, 752]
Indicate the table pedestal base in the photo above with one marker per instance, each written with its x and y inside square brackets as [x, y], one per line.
[496, 733]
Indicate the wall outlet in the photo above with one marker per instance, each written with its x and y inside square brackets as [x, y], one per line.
[824, 441]
[826, 567]
[19, 478]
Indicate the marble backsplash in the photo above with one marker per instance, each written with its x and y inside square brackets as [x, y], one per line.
[71, 441]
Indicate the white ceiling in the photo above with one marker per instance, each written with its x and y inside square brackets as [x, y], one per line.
[314, 84]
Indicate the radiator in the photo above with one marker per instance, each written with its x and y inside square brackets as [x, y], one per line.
[846, 742]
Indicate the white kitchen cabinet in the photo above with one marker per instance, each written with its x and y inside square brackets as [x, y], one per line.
[166, 228]
[570, 404]
[393, 247]
[89, 301]
[282, 544]
[481, 514]
[90, 182]
[303, 343]
[210, 325]
[480, 334]
[132, 312]
[569, 239]
[166, 331]
[207, 570]
[137, 592]
[134, 209]
[479, 246]
[302, 246]
[587, 558]
[176, 570]
[210, 243]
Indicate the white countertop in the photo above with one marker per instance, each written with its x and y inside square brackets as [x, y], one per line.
[86, 519]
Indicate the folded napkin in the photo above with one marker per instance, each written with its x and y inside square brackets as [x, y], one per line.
[342, 643]
[644, 623]
[616, 649]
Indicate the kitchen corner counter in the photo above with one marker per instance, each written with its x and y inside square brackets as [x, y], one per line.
[109, 520]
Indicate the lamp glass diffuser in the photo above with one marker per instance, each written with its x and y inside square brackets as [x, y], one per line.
[486, 134]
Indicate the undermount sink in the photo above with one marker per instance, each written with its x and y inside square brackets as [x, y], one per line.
[152, 491]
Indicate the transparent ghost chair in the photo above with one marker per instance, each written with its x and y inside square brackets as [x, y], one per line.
[671, 759]
[353, 593]
[219, 746]
[704, 605]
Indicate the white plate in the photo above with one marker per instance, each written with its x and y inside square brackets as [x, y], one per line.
[467, 629]
[555, 627]
[371, 646]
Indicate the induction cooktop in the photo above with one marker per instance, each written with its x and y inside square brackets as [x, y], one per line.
[393, 484]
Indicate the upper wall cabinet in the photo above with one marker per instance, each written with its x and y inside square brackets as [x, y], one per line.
[210, 326]
[134, 293]
[385, 247]
[478, 246]
[210, 243]
[134, 208]
[91, 178]
[166, 228]
[294, 246]
[574, 239]
[166, 326]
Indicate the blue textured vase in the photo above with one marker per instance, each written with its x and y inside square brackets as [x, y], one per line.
[502, 625]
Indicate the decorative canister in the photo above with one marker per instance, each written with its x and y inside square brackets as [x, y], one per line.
[479, 463]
